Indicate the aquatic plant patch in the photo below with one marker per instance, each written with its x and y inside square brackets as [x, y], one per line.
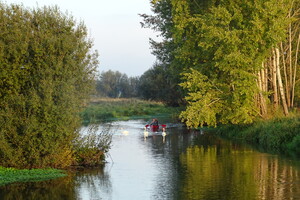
[11, 175]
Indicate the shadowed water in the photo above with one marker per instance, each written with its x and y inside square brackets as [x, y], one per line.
[184, 165]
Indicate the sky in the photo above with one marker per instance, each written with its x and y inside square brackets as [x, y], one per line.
[114, 26]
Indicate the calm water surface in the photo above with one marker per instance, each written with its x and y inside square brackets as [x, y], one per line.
[185, 165]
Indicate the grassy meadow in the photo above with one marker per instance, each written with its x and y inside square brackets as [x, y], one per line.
[108, 109]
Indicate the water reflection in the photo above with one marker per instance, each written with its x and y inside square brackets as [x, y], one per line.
[87, 184]
[222, 170]
[60, 189]
[93, 184]
[187, 165]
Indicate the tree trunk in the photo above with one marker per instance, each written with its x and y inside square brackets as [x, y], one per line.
[261, 99]
[295, 72]
[262, 88]
[287, 87]
[266, 79]
[274, 81]
[290, 55]
[280, 85]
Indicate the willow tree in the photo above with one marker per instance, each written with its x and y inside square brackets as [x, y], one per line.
[46, 71]
[224, 43]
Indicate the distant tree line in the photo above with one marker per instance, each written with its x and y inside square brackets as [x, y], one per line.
[114, 84]
[152, 85]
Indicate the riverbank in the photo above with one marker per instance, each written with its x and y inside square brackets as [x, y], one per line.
[276, 135]
[11, 175]
[109, 109]
[88, 151]
[85, 155]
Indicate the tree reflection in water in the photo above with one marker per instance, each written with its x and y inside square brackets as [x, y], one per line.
[59, 189]
[195, 165]
[187, 165]
[225, 170]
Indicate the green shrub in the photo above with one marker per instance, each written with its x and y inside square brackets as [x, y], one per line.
[90, 149]
[46, 72]
[295, 145]
[89, 157]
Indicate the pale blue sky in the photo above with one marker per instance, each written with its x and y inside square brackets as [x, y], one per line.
[114, 25]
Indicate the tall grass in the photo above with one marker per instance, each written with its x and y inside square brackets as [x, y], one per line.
[111, 109]
[281, 134]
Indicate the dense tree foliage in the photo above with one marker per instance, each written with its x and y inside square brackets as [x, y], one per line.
[155, 84]
[163, 79]
[231, 44]
[237, 59]
[46, 71]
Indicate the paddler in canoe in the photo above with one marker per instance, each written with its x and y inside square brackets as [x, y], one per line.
[154, 126]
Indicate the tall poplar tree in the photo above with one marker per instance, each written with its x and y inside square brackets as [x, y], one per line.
[224, 43]
[239, 59]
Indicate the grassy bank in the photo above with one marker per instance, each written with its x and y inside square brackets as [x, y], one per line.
[11, 175]
[106, 109]
[281, 135]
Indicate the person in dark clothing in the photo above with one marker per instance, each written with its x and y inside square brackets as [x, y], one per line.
[154, 125]
[154, 122]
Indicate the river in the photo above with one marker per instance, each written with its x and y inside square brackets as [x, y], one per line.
[182, 166]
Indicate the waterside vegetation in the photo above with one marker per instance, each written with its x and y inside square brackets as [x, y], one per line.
[280, 135]
[11, 175]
